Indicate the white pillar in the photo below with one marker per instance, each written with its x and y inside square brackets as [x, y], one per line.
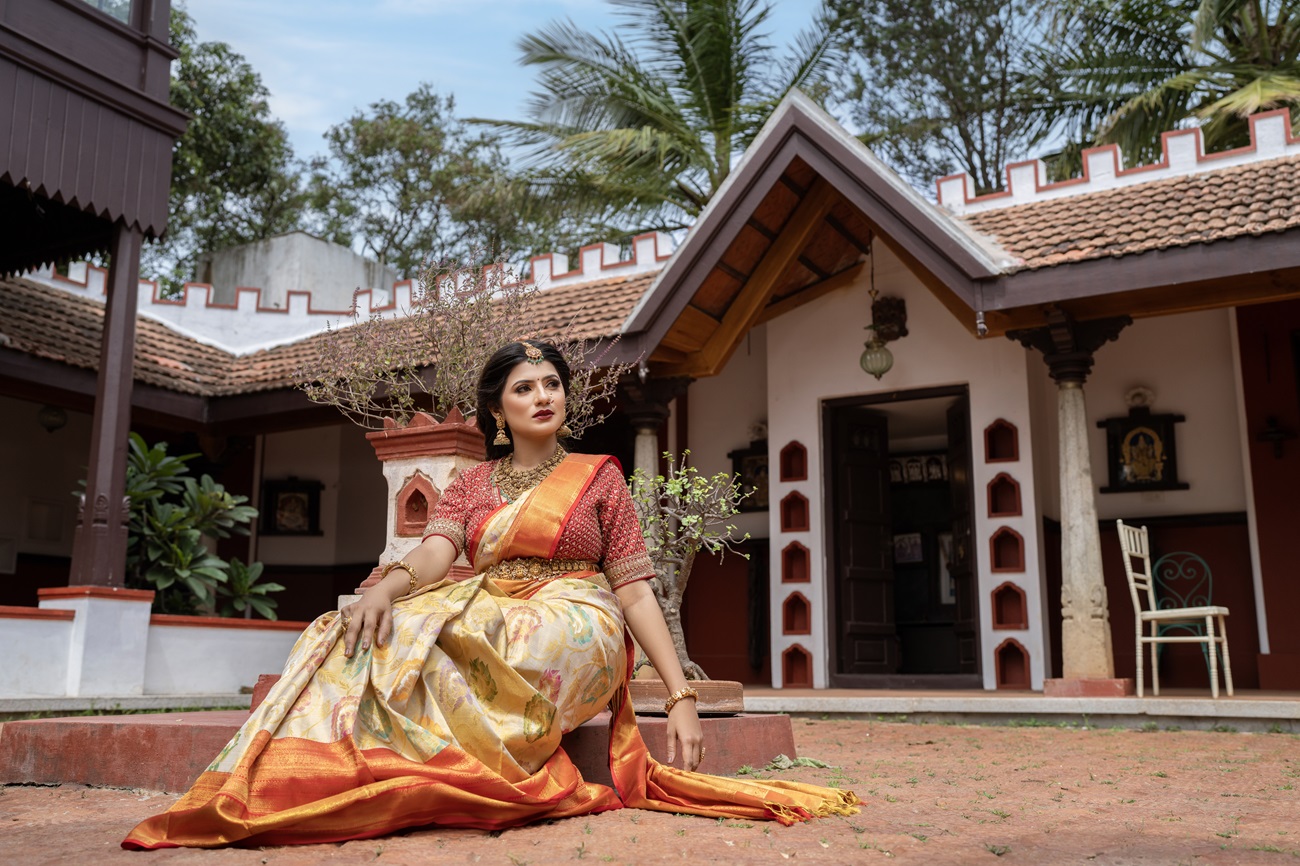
[109, 640]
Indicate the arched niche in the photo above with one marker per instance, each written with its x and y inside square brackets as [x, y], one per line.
[1011, 665]
[1001, 442]
[796, 614]
[794, 462]
[795, 564]
[796, 668]
[1007, 550]
[415, 503]
[1010, 609]
[794, 512]
[1004, 496]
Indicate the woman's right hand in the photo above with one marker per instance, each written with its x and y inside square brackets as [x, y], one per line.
[370, 620]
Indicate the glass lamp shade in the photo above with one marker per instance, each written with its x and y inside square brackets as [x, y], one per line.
[51, 418]
[876, 358]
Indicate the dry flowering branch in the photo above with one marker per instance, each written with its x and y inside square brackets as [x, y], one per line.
[681, 515]
[429, 358]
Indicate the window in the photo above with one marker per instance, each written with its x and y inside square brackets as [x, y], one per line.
[119, 9]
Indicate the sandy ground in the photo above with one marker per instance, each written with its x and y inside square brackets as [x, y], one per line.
[932, 794]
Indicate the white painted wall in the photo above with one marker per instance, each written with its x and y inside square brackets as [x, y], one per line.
[353, 502]
[196, 660]
[37, 657]
[38, 473]
[812, 355]
[1187, 360]
[723, 409]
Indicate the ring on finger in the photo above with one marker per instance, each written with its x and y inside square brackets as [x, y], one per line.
[347, 621]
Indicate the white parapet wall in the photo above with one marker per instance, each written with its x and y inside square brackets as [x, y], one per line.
[199, 655]
[36, 663]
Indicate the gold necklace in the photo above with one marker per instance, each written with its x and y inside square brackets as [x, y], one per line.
[514, 483]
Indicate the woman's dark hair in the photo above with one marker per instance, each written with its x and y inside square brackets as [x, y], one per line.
[492, 383]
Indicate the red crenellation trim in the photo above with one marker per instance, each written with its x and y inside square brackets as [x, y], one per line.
[109, 592]
[171, 619]
[8, 611]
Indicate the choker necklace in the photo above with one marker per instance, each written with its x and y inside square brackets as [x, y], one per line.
[514, 483]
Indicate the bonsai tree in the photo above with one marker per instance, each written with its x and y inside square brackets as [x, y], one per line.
[430, 358]
[681, 515]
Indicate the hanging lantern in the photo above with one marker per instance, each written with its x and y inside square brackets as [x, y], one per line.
[876, 358]
[51, 418]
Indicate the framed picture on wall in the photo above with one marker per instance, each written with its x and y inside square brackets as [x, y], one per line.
[291, 507]
[907, 548]
[751, 465]
[918, 468]
[1141, 452]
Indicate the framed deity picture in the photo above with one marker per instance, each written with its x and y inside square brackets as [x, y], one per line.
[907, 548]
[1141, 452]
[751, 465]
[291, 507]
[918, 468]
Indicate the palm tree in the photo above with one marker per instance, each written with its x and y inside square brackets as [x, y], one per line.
[639, 130]
[1124, 71]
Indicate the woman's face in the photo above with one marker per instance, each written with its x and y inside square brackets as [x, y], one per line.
[533, 400]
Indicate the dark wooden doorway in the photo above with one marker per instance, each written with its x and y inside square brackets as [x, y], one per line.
[909, 621]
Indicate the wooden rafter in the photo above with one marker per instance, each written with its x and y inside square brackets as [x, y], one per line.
[748, 305]
[835, 281]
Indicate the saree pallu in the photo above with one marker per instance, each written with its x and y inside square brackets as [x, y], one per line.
[457, 719]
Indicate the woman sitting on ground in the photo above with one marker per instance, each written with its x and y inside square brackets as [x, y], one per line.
[435, 702]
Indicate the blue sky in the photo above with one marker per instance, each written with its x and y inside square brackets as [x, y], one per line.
[322, 59]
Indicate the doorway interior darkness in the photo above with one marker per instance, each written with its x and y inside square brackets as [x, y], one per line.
[901, 573]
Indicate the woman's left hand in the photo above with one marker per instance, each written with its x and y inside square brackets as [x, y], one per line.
[684, 730]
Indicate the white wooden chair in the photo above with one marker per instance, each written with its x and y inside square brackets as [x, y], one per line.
[1133, 544]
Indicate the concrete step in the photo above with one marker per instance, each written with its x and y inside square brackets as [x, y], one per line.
[168, 751]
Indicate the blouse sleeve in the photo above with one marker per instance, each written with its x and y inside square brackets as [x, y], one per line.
[449, 515]
[625, 557]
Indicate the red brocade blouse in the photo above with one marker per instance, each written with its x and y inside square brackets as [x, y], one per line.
[603, 527]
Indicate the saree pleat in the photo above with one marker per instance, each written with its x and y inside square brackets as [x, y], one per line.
[457, 719]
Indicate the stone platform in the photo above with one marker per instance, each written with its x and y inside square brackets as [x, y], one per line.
[167, 751]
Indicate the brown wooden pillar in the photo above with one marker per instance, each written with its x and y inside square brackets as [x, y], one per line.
[99, 545]
[1088, 664]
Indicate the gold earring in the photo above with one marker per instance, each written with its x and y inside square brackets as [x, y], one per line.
[501, 437]
[564, 432]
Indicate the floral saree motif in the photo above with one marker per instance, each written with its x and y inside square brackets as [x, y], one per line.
[457, 720]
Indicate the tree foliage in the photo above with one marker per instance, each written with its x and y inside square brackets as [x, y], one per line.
[430, 360]
[234, 178]
[937, 86]
[411, 183]
[639, 132]
[683, 514]
[1124, 71]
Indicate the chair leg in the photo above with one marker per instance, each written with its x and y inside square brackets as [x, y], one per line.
[1213, 645]
[1227, 660]
[1139, 663]
[1155, 668]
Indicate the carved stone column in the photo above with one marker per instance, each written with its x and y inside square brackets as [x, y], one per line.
[99, 544]
[1088, 664]
[647, 408]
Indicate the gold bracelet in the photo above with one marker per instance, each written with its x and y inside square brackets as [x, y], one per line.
[402, 563]
[678, 695]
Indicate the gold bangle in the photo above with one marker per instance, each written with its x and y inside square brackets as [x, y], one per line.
[678, 695]
[402, 563]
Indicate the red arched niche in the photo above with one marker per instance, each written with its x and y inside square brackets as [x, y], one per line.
[1009, 607]
[794, 462]
[1007, 550]
[1001, 442]
[415, 503]
[795, 566]
[796, 668]
[796, 615]
[794, 512]
[1011, 664]
[1004, 496]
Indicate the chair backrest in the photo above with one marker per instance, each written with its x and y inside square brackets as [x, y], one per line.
[1133, 543]
[1182, 579]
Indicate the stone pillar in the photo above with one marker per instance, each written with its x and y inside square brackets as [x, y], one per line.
[1088, 664]
[647, 408]
[99, 544]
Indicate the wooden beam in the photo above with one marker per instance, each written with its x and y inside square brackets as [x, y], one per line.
[811, 267]
[864, 247]
[839, 280]
[763, 230]
[732, 272]
[753, 297]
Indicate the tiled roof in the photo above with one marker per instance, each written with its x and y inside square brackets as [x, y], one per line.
[1251, 199]
[52, 324]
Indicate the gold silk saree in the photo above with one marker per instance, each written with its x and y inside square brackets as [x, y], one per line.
[457, 719]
